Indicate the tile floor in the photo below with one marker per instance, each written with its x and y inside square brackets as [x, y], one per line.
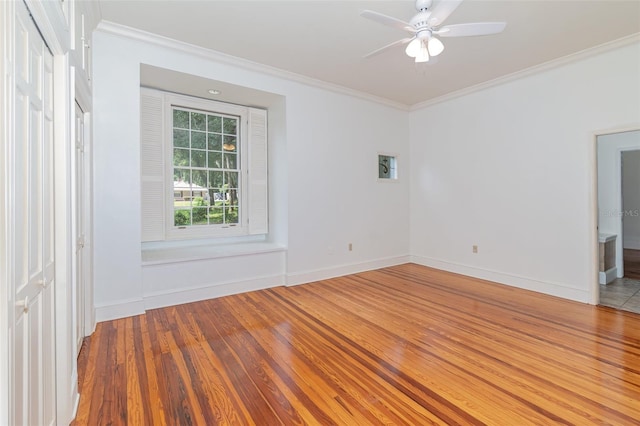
[622, 293]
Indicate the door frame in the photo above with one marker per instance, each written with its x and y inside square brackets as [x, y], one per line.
[594, 208]
[83, 210]
[6, 37]
[79, 192]
[83, 98]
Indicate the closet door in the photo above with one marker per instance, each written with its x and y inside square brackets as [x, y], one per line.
[31, 241]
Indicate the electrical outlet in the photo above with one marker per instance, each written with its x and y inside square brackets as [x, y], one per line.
[475, 249]
[350, 247]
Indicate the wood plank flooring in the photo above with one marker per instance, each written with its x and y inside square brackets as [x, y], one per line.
[631, 263]
[405, 345]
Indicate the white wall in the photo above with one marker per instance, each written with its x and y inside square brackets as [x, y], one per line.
[631, 198]
[610, 209]
[324, 191]
[335, 197]
[511, 169]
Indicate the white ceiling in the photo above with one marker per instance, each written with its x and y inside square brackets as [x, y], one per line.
[326, 40]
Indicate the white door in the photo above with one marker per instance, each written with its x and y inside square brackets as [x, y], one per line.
[79, 297]
[32, 334]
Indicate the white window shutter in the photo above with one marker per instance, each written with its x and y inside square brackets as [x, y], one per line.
[258, 185]
[152, 165]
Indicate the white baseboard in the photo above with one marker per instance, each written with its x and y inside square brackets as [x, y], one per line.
[180, 296]
[553, 289]
[90, 322]
[305, 277]
[607, 276]
[123, 309]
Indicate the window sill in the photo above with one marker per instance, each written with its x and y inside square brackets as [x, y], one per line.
[159, 256]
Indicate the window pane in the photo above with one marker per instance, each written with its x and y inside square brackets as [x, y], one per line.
[215, 142]
[183, 176]
[199, 140]
[231, 215]
[230, 125]
[198, 121]
[206, 198]
[200, 216]
[231, 179]
[215, 215]
[229, 143]
[198, 158]
[200, 179]
[215, 180]
[215, 123]
[181, 200]
[215, 160]
[230, 161]
[181, 157]
[180, 119]
[232, 197]
[181, 218]
[181, 138]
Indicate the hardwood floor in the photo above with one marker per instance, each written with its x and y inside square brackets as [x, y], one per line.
[404, 345]
[632, 264]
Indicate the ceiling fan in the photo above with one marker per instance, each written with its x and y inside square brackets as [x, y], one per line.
[425, 28]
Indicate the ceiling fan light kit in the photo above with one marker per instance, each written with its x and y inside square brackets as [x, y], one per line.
[423, 46]
[413, 48]
[424, 28]
[423, 53]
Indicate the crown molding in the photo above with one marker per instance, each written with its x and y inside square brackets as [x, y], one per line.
[182, 47]
[555, 63]
[158, 40]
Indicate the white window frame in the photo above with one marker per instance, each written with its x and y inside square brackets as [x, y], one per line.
[206, 106]
[157, 168]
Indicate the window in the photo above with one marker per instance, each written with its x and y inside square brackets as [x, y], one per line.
[387, 167]
[204, 171]
[206, 168]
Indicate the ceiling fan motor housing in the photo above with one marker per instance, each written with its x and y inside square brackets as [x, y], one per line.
[420, 20]
[423, 5]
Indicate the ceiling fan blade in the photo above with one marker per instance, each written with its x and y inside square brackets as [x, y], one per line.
[387, 20]
[389, 46]
[442, 10]
[474, 29]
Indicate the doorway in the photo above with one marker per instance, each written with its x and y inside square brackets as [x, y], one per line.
[618, 157]
[630, 162]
